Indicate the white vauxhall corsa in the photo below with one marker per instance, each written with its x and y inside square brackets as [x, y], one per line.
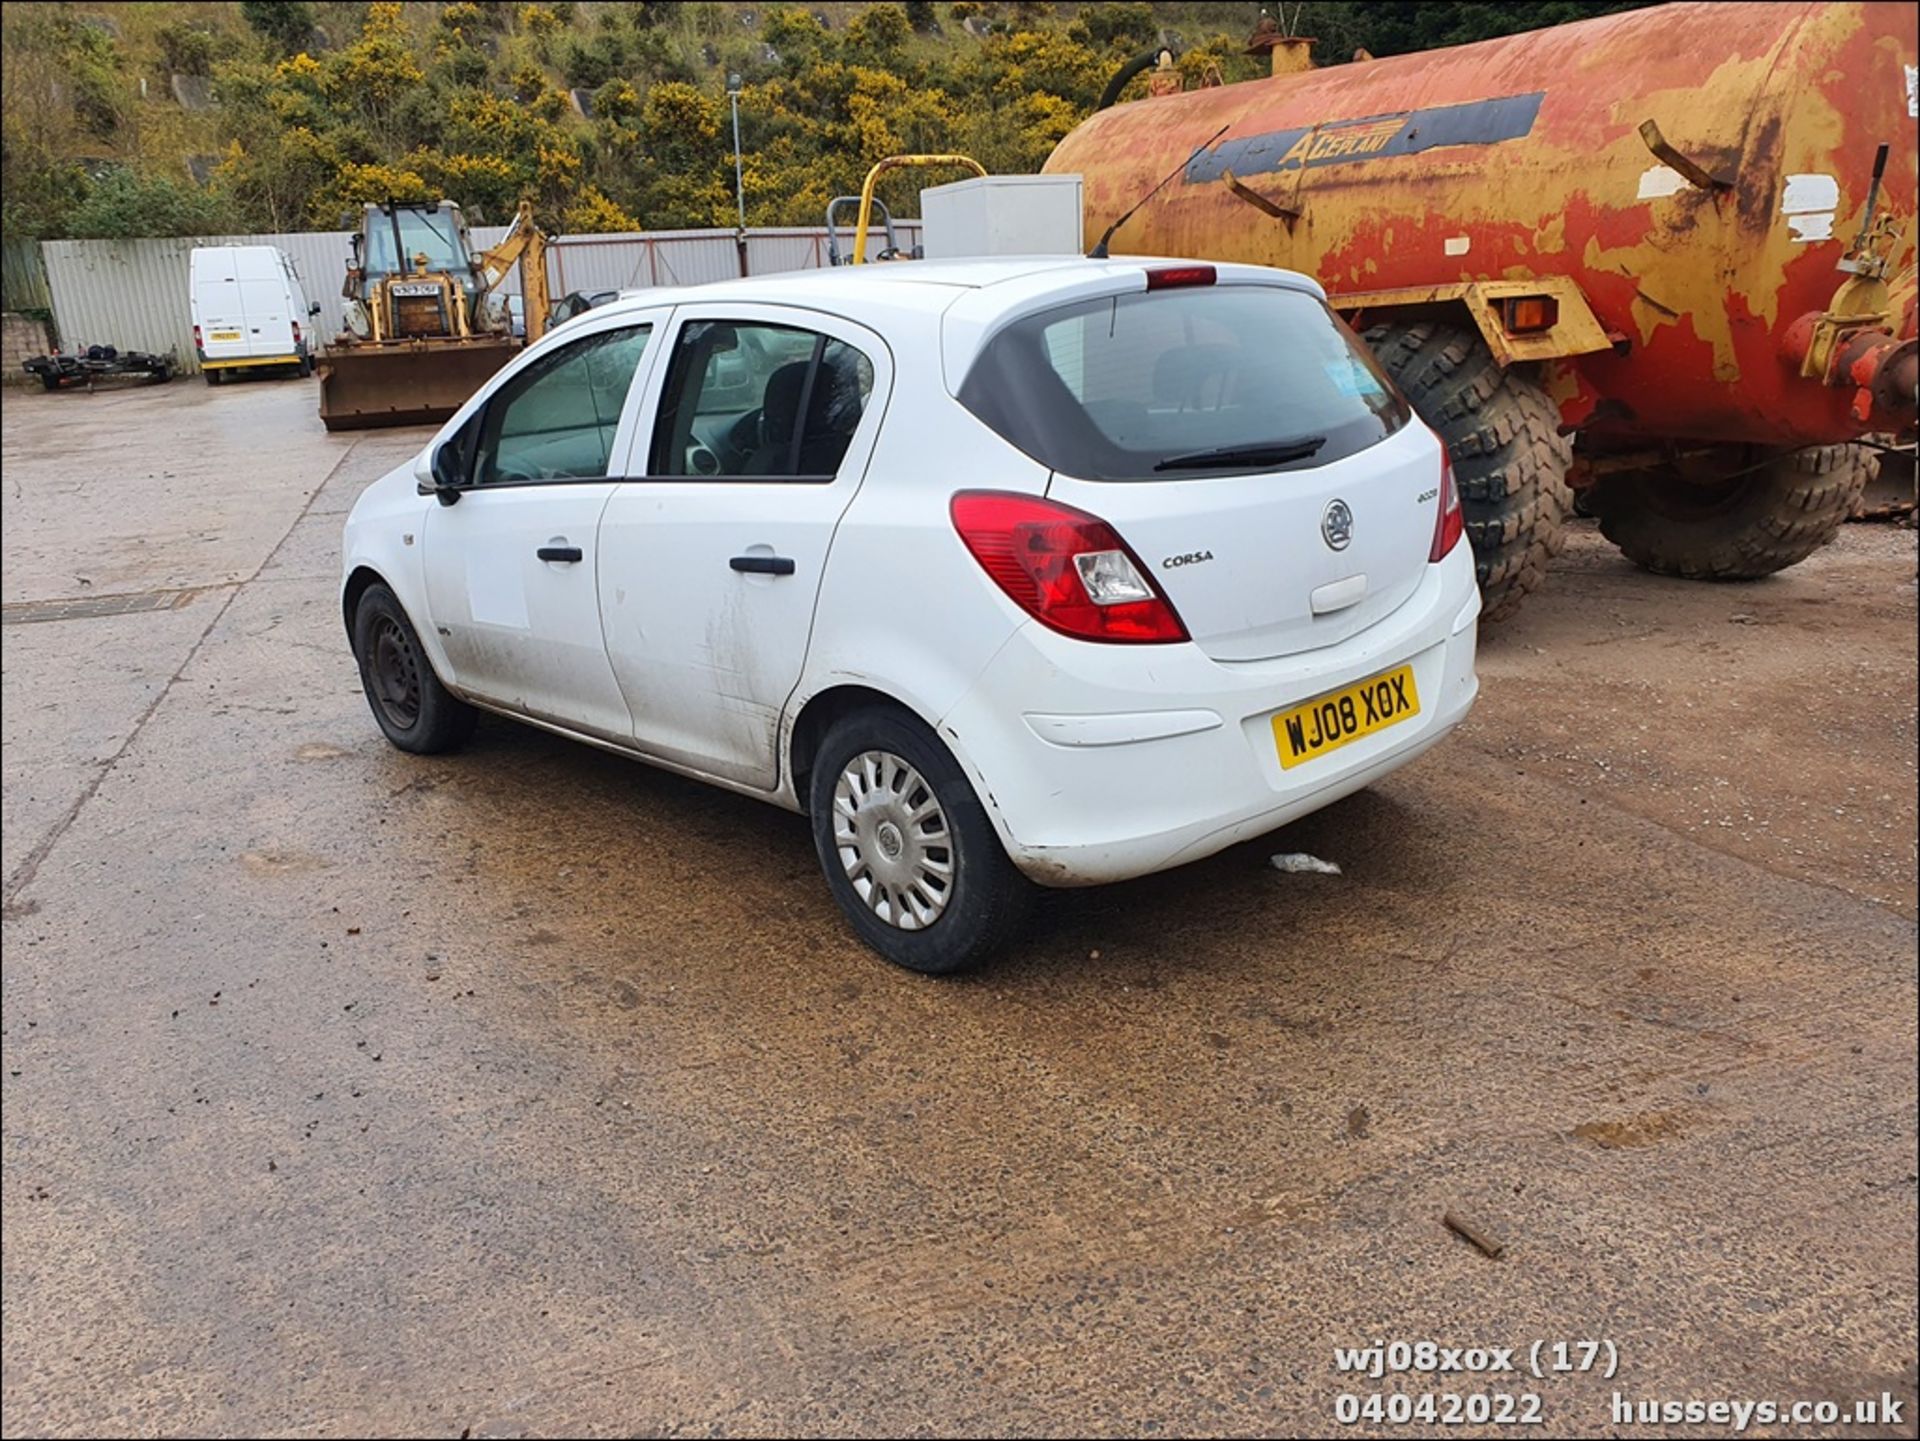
[1042, 570]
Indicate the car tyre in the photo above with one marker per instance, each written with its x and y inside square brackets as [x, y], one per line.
[907, 848]
[212, 377]
[410, 705]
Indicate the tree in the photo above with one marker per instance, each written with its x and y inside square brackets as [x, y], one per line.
[1396, 29]
[465, 99]
[186, 48]
[375, 72]
[680, 128]
[589, 64]
[287, 23]
[799, 38]
[1122, 25]
[879, 34]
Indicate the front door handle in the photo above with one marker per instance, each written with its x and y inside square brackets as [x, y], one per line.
[565, 554]
[762, 564]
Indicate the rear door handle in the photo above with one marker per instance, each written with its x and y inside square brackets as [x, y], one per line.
[762, 564]
[565, 554]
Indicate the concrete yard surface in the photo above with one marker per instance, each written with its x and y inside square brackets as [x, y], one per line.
[531, 1090]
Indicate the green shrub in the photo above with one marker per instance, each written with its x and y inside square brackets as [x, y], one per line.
[121, 205]
[1120, 25]
[287, 23]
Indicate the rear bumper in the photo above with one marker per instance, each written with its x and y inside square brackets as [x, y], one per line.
[1099, 763]
[246, 360]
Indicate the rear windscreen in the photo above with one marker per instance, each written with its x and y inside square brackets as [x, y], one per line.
[1151, 385]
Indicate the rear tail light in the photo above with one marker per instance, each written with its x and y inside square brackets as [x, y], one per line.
[1167, 277]
[1451, 523]
[198, 344]
[1067, 569]
[296, 332]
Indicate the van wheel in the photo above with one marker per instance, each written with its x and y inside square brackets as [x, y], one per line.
[212, 377]
[411, 707]
[1509, 459]
[1726, 517]
[907, 847]
[306, 366]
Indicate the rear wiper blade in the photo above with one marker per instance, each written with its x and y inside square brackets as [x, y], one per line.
[1273, 452]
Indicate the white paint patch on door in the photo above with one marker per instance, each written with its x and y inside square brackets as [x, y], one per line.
[495, 594]
[1661, 180]
[1458, 244]
[1810, 227]
[1913, 92]
[1807, 193]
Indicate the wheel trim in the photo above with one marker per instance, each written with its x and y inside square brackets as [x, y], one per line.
[393, 671]
[893, 840]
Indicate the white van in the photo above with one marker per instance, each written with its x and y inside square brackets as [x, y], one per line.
[249, 309]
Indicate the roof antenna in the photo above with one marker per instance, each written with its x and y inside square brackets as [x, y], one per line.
[1099, 251]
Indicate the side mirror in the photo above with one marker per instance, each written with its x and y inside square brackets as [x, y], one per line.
[436, 473]
[313, 308]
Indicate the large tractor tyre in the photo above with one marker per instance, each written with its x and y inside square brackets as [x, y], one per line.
[1749, 521]
[1509, 458]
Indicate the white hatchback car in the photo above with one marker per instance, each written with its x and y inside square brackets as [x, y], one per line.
[1043, 570]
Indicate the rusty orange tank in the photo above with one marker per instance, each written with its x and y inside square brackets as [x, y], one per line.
[1658, 233]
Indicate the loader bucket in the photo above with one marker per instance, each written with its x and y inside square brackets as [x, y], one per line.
[405, 383]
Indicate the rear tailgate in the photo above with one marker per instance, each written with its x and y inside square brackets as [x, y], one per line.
[268, 302]
[220, 309]
[1238, 437]
[1255, 564]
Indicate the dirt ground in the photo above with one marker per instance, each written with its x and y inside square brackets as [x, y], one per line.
[533, 1091]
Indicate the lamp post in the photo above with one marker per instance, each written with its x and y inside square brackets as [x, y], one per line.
[739, 186]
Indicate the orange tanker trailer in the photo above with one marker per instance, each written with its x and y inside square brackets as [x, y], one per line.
[1665, 258]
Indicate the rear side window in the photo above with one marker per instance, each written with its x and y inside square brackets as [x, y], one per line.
[1181, 383]
[746, 401]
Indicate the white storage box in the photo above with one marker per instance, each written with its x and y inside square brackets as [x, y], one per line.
[1002, 215]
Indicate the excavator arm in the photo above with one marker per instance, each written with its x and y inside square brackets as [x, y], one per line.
[525, 245]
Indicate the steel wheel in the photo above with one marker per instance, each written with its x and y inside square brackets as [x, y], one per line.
[893, 839]
[395, 672]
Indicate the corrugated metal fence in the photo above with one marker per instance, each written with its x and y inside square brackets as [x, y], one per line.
[133, 293]
[23, 279]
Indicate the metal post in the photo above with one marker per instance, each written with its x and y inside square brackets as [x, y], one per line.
[739, 186]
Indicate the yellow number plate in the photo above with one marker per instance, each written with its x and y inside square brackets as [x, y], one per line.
[1328, 722]
[226, 335]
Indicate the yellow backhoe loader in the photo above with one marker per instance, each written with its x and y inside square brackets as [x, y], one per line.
[424, 327]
